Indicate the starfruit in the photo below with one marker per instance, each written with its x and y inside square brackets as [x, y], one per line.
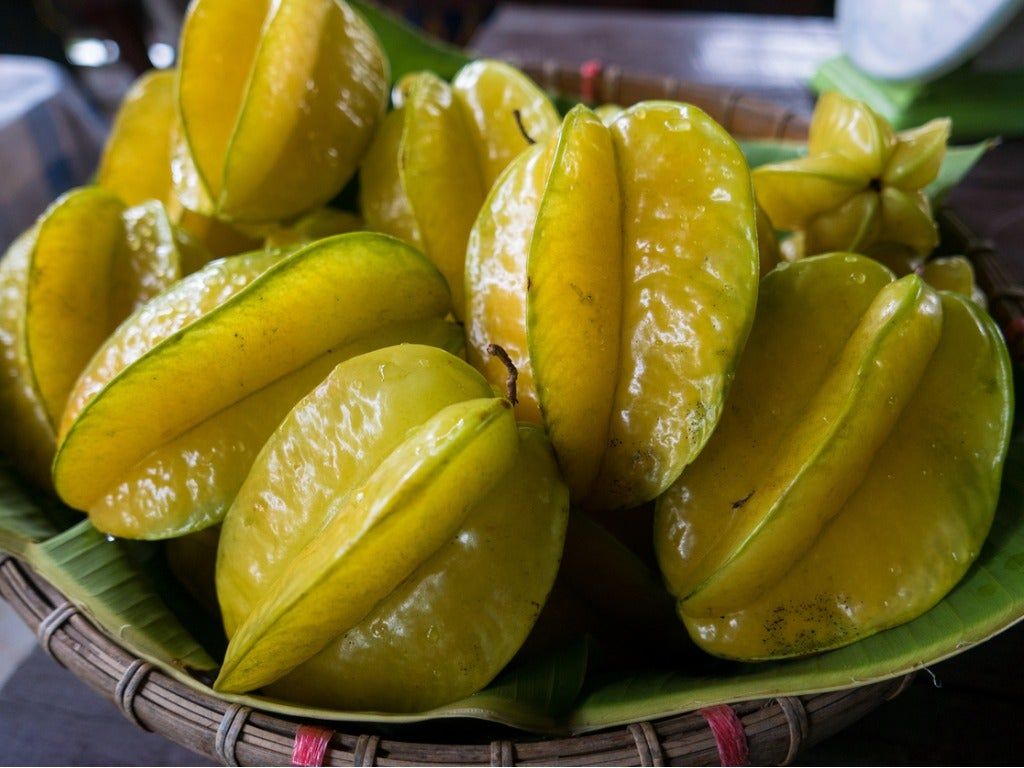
[315, 225]
[394, 542]
[605, 591]
[617, 267]
[440, 150]
[855, 471]
[768, 252]
[65, 284]
[953, 273]
[860, 186]
[278, 102]
[162, 426]
[137, 158]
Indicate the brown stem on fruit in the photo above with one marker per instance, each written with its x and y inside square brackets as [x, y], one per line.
[518, 115]
[513, 373]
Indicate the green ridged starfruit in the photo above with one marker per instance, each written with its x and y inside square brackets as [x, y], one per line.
[162, 426]
[65, 284]
[860, 187]
[394, 542]
[436, 155]
[855, 471]
[617, 267]
[278, 101]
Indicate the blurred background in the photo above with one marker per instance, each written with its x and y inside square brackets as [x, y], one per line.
[106, 43]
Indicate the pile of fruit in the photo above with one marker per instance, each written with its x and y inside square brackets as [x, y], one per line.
[547, 357]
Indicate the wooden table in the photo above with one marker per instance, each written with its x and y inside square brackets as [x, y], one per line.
[967, 710]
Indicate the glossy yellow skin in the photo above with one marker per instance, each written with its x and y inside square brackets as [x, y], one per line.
[316, 225]
[622, 286]
[441, 149]
[136, 165]
[27, 433]
[953, 273]
[86, 265]
[229, 331]
[854, 474]
[406, 575]
[278, 102]
[768, 252]
[189, 482]
[859, 188]
[136, 161]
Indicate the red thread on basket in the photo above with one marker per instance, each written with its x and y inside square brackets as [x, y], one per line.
[590, 70]
[729, 735]
[310, 745]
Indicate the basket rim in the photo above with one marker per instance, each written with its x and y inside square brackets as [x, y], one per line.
[776, 729]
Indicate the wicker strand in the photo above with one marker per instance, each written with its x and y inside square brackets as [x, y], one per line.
[905, 682]
[549, 68]
[228, 731]
[732, 98]
[366, 750]
[647, 744]
[799, 726]
[128, 686]
[502, 753]
[51, 623]
[611, 85]
[730, 738]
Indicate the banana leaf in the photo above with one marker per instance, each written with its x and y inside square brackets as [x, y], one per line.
[409, 50]
[988, 600]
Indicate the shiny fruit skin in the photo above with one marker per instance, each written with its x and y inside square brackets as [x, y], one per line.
[620, 255]
[871, 419]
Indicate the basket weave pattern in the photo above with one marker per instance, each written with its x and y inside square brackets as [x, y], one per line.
[776, 729]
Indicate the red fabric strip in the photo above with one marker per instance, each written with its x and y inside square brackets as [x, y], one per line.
[729, 735]
[589, 72]
[310, 745]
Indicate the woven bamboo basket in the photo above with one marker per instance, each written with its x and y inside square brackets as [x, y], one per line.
[761, 732]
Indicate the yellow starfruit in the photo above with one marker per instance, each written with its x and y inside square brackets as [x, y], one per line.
[436, 155]
[617, 268]
[860, 187]
[163, 424]
[394, 542]
[65, 284]
[854, 474]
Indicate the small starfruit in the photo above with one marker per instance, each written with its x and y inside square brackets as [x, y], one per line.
[953, 273]
[136, 164]
[65, 284]
[394, 541]
[617, 267]
[860, 186]
[441, 149]
[855, 471]
[278, 101]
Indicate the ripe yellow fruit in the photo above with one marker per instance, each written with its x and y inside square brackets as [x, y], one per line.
[394, 542]
[617, 266]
